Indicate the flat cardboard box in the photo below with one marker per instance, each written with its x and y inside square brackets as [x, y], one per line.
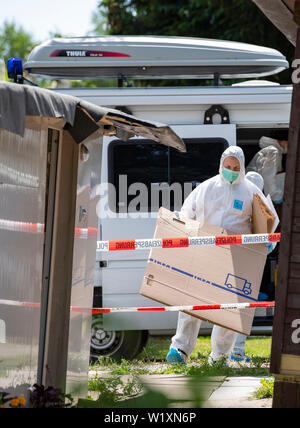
[263, 217]
[207, 274]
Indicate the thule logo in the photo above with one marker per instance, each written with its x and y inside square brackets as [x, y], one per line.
[76, 53]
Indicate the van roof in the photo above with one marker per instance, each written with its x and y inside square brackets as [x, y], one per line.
[152, 57]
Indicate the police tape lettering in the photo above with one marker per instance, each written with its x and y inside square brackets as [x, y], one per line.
[198, 242]
[195, 241]
[142, 244]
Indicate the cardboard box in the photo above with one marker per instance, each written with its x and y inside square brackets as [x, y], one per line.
[208, 274]
[263, 217]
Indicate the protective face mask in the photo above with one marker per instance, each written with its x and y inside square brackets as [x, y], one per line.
[229, 175]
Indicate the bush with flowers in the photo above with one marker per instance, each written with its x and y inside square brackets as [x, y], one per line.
[40, 397]
[11, 402]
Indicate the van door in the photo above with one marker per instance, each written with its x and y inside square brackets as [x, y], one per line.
[138, 177]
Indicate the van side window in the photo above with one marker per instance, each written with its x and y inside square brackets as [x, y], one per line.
[200, 162]
[248, 140]
[167, 175]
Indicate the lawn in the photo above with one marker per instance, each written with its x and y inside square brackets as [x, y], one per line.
[258, 348]
[112, 382]
[152, 360]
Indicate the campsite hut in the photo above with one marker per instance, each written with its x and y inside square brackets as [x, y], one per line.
[50, 165]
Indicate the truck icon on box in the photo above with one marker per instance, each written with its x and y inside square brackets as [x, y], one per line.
[238, 283]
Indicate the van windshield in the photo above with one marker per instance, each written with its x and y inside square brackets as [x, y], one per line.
[165, 175]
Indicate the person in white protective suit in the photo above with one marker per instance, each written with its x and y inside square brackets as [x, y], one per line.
[256, 179]
[268, 163]
[238, 352]
[225, 201]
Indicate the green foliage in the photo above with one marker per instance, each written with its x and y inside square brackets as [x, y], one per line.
[49, 398]
[236, 20]
[152, 360]
[114, 388]
[120, 384]
[155, 350]
[14, 41]
[150, 399]
[96, 83]
[258, 348]
[266, 390]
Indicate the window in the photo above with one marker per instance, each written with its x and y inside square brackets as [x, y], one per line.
[146, 175]
[248, 140]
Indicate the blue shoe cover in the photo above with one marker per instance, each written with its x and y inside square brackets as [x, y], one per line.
[174, 357]
[239, 358]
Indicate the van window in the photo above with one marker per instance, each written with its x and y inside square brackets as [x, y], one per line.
[166, 175]
[248, 140]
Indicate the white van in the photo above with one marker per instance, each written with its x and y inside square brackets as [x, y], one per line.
[208, 119]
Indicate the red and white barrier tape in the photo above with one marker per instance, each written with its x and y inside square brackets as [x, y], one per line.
[20, 226]
[186, 308]
[149, 309]
[146, 244]
[198, 241]
[38, 228]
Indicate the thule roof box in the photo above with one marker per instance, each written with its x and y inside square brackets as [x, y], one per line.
[147, 57]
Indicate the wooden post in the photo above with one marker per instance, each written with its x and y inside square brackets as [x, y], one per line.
[58, 316]
[285, 356]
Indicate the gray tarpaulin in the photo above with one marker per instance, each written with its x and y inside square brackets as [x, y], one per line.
[281, 15]
[82, 118]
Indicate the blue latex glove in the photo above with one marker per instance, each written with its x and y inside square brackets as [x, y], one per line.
[270, 247]
[262, 297]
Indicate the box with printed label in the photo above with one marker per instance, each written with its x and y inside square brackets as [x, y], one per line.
[207, 274]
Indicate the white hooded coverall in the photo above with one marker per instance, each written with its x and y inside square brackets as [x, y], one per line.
[227, 205]
[239, 345]
[268, 163]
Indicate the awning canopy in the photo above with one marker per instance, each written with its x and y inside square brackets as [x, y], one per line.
[281, 14]
[82, 118]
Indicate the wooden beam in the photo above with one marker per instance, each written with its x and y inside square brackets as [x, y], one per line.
[286, 394]
[285, 355]
[290, 4]
[287, 267]
[58, 316]
[281, 15]
[296, 11]
[290, 365]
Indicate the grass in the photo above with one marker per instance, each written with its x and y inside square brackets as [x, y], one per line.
[258, 348]
[266, 389]
[115, 382]
[152, 359]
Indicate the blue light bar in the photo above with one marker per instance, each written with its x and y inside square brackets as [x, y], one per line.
[15, 69]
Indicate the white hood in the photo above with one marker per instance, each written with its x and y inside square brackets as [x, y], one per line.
[267, 141]
[256, 179]
[238, 153]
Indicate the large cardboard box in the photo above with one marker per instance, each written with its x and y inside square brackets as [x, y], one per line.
[208, 274]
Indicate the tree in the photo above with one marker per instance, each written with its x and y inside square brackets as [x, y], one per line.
[14, 41]
[99, 24]
[236, 20]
